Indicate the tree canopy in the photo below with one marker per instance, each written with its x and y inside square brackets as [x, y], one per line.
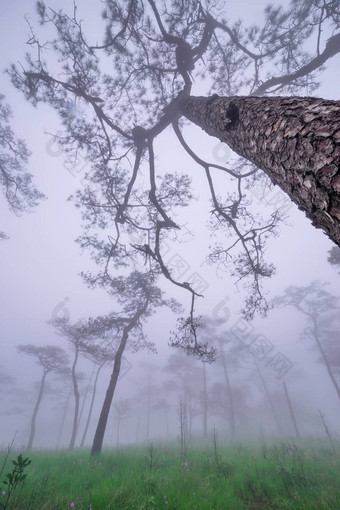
[16, 183]
[115, 97]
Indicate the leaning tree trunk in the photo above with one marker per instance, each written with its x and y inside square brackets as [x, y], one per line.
[325, 357]
[104, 415]
[101, 427]
[294, 140]
[291, 410]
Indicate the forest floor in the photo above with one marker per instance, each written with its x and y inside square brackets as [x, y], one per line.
[285, 474]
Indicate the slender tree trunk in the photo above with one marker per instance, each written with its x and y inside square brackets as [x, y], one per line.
[63, 418]
[294, 140]
[230, 395]
[205, 404]
[101, 427]
[148, 410]
[188, 405]
[85, 398]
[189, 417]
[35, 412]
[182, 415]
[291, 411]
[91, 405]
[76, 398]
[271, 405]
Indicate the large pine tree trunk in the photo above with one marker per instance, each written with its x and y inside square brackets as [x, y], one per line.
[294, 140]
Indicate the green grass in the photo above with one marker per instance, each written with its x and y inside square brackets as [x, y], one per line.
[284, 475]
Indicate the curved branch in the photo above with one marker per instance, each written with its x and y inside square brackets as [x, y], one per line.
[81, 93]
[235, 40]
[120, 33]
[121, 208]
[171, 39]
[332, 48]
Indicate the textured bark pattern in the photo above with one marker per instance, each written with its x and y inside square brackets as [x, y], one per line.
[294, 140]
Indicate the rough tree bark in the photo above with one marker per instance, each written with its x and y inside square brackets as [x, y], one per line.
[294, 140]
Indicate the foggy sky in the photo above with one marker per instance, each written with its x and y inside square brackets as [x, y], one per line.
[40, 263]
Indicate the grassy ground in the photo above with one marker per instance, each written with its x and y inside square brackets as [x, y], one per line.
[281, 475]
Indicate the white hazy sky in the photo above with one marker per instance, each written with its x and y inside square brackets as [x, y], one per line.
[40, 263]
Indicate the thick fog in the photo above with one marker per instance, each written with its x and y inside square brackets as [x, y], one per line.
[268, 363]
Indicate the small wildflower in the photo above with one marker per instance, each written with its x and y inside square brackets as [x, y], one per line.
[72, 504]
[3, 492]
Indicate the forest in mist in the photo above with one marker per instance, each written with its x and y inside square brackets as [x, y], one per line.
[170, 255]
[160, 284]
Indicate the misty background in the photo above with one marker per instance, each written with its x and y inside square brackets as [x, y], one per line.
[40, 266]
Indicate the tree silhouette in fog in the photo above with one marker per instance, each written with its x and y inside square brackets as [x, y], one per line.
[138, 297]
[52, 359]
[321, 309]
[100, 357]
[81, 339]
